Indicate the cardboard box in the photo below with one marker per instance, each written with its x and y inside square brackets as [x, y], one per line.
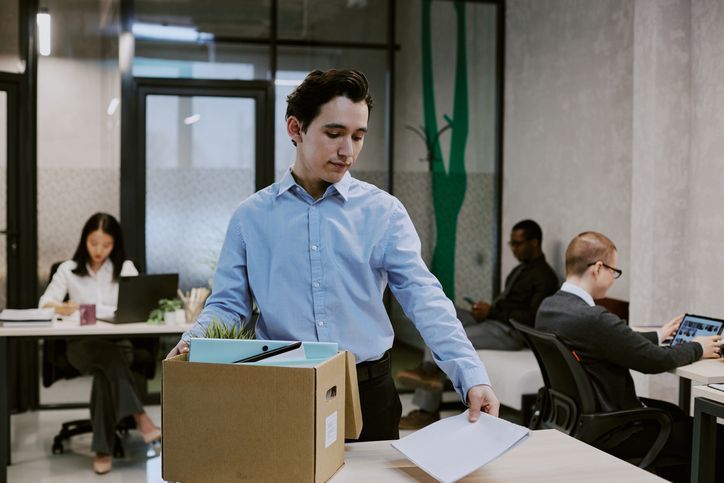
[237, 422]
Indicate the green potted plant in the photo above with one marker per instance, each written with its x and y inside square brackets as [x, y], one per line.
[217, 330]
[166, 312]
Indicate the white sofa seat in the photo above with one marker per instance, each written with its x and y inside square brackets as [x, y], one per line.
[512, 374]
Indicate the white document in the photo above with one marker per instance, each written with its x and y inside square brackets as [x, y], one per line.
[297, 354]
[717, 386]
[454, 447]
[26, 314]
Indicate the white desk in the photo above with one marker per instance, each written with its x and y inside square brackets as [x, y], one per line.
[705, 371]
[547, 456]
[61, 329]
[708, 405]
[67, 328]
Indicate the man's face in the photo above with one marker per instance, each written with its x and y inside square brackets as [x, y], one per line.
[332, 141]
[522, 248]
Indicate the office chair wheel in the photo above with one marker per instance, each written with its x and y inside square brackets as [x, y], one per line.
[58, 447]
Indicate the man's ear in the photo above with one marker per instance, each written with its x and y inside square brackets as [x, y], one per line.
[596, 270]
[294, 129]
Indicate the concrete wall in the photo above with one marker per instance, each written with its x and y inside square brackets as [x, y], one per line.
[614, 114]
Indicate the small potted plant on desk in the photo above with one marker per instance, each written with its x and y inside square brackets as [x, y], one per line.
[169, 311]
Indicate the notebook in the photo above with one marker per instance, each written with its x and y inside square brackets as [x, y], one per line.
[139, 295]
[22, 318]
[695, 326]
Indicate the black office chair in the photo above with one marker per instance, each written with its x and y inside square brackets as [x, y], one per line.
[567, 402]
[56, 366]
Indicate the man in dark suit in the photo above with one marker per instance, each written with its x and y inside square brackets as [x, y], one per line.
[487, 324]
[608, 348]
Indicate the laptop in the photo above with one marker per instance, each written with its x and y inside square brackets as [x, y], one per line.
[139, 295]
[695, 326]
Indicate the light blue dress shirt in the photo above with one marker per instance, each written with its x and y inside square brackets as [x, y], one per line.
[576, 290]
[317, 270]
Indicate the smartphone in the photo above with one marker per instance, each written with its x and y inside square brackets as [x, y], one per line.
[274, 352]
[469, 300]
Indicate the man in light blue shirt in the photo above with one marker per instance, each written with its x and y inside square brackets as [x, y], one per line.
[317, 249]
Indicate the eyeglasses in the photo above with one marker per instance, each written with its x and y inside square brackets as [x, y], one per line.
[617, 272]
[517, 243]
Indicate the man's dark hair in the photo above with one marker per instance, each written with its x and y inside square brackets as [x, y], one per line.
[531, 229]
[110, 226]
[320, 87]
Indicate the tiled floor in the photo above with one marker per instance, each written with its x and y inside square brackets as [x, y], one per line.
[32, 436]
[33, 460]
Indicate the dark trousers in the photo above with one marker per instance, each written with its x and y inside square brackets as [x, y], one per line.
[113, 395]
[379, 401]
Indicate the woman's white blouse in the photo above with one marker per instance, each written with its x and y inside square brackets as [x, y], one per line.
[95, 288]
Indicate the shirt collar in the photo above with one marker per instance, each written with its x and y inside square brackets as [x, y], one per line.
[341, 187]
[286, 182]
[576, 290]
[105, 268]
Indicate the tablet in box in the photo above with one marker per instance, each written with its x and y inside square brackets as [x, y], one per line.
[227, 351]
[696, 326]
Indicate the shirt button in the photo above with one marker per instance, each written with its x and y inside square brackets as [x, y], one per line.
[316, 284]
[320, 323]
[314, 248]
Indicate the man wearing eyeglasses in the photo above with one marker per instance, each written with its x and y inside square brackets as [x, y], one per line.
[487, 324]
[607, 348]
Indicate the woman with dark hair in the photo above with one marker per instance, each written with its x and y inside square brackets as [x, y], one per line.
[91, 277]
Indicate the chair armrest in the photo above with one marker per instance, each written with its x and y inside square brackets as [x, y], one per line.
[595, 427]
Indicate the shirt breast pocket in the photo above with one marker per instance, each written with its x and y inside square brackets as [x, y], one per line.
[352, 250]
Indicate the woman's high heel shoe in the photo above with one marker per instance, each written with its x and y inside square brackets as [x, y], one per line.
[102, 464]
[152, 436]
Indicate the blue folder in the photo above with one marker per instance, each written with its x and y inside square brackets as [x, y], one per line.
[226, 351]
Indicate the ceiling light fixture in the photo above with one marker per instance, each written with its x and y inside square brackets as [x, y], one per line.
[192, 119]
[43, 20]
[170, 33]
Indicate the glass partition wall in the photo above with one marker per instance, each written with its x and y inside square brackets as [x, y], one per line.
[179, 165]
[447, 142]
[78, 125]
[200, 164]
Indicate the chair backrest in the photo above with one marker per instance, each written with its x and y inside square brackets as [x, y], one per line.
[55, 364]
[53, 269]
[569, 390]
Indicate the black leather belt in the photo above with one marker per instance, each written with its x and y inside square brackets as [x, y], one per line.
[372, 369]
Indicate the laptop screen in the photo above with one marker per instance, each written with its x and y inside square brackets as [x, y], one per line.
[139, 295]
[696, 326]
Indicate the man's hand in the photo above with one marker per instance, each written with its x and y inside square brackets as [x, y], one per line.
[480, 310]
[711, 346]
[482, 397]
[669, 329]
[181, 348]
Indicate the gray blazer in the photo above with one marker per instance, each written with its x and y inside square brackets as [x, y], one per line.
[608, 348]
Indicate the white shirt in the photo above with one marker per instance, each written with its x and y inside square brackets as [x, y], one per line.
[576, 290]
[97, 288]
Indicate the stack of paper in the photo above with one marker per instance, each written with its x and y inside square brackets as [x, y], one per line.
[454, 447]
[26, 317]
